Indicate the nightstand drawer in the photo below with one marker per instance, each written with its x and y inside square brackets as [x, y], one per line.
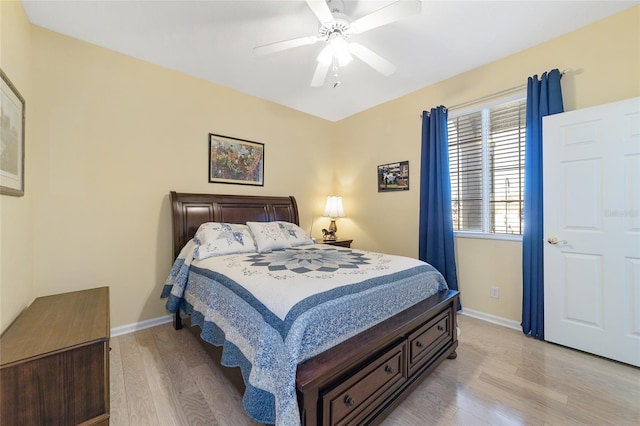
[339, 243]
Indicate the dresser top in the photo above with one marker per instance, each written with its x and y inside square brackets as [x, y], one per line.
[54, 323]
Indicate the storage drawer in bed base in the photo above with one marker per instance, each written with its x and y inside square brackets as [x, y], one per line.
[369, 386]
[376, 370]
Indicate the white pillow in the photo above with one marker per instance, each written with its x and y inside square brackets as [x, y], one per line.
[268, 236]
[216, 239]
[295, 234]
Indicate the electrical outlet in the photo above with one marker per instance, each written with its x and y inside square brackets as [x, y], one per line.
[495, 292]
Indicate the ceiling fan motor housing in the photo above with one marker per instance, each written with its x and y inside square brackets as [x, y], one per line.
[337, 27]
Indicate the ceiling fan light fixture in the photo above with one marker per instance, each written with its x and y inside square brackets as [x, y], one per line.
[337, 49]
[326, 55]
[340, 50]
[336, 28]
[344, 59]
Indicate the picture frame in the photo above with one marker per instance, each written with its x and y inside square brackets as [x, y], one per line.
[393, 177]
[12, 140]
[235, 161]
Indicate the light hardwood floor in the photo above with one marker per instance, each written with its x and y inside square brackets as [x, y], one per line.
[164, 377]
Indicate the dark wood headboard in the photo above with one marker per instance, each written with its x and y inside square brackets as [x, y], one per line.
[189, 211]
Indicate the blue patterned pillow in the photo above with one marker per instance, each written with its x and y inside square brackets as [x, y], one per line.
[295, 234]
[268, 236]
[216, 239]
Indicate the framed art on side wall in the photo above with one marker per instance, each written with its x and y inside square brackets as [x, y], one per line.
[393, 177]
[12, 111]
[233, 160]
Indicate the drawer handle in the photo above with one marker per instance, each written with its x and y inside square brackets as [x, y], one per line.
[348, 401]
[419, 344]
[440, 328]
[388, 369]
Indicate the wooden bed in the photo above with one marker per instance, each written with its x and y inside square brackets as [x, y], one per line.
[362, 379]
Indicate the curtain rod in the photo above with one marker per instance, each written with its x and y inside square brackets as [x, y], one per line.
[495, 95]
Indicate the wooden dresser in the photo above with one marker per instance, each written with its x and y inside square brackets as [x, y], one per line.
[54, 361]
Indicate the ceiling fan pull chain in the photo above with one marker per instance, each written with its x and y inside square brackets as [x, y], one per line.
[334, 68]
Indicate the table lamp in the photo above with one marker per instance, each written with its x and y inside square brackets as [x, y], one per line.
[333, 209]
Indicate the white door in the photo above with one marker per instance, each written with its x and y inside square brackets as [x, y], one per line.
[592, 230]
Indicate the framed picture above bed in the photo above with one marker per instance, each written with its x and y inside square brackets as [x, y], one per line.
[12, 110]
[233, 160]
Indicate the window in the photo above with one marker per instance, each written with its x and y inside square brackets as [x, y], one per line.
[486, 163]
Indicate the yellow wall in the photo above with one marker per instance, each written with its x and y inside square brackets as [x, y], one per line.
[108, 136]
[605, 62]
[16, 237]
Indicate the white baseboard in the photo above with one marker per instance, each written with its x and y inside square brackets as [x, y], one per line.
[130, 328]
[491, 318]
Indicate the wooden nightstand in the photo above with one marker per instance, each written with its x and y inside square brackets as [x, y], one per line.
[340, 243]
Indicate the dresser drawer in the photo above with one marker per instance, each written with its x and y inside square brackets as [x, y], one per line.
[428, 339]
[347, 403]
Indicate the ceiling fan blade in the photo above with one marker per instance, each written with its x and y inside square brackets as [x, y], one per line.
[393, 12]
[321, 10]
[320, 74]
[372, 59]
[283, 45]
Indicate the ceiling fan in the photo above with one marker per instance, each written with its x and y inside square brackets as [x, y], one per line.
[336, 28]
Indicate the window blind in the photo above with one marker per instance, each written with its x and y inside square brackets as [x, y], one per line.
[486, 164]
[465, 166]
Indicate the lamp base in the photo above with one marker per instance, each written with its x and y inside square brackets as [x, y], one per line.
[330, 234]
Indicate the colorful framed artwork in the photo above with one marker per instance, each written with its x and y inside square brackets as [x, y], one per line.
[237, 161]
[12, 112]
[393, 177]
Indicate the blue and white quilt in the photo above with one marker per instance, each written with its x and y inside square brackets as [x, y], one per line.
[272, 311]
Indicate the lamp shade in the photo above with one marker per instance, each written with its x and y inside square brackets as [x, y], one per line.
[334, 207]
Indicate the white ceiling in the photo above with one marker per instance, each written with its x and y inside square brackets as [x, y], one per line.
[214, 40]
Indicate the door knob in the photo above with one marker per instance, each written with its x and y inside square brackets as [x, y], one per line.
[554, 241]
